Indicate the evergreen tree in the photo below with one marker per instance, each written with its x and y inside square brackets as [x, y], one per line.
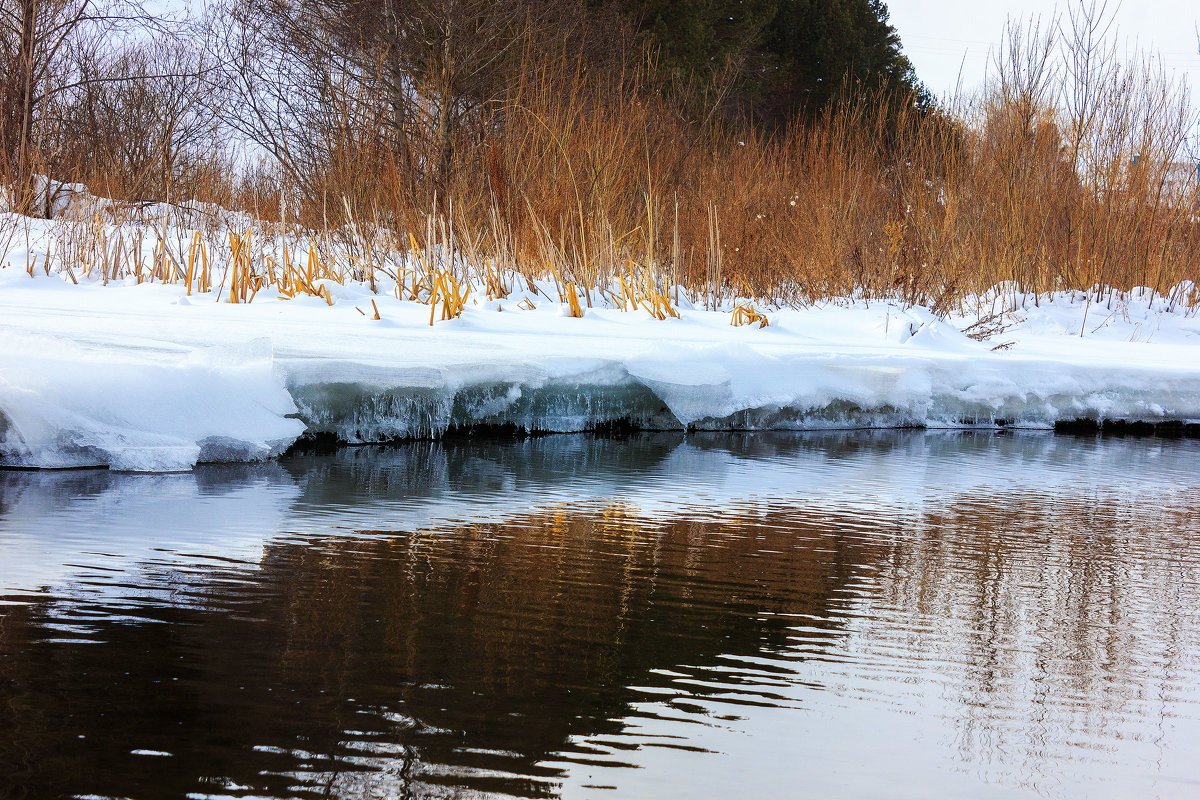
[770, 60]
[832, 48]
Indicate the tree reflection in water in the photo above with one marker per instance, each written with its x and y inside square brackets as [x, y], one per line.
[463, 618]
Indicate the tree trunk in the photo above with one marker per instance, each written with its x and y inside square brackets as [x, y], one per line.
[446, 107]
[24, 100]
[400, 102]
[445, 138]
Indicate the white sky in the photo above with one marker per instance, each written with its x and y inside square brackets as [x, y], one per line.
[942, 36]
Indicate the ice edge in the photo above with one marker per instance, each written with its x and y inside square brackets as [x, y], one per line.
[241, 414]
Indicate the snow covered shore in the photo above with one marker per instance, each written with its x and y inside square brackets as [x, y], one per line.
[142, 377]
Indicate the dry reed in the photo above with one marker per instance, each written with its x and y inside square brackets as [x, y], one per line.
[605, 189]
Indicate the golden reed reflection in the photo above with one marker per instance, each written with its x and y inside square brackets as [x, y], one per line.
[459, 657]
[1060, 626]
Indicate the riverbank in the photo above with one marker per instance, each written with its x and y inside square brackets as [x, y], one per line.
[145, 377]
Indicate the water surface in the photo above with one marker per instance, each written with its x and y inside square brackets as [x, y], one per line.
[902, 614]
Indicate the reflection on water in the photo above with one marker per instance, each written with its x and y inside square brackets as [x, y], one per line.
[850, 615]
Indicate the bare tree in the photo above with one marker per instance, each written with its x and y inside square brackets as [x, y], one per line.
[402, 75]
[137, 114]
[1090, 58]
[38, 39]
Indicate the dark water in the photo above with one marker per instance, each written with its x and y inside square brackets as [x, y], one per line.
[842, 615]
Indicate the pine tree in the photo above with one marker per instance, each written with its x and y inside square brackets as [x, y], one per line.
[833, 48]
[771, 60]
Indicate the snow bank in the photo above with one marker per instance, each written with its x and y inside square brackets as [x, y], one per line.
[143, 377]
[70, 404]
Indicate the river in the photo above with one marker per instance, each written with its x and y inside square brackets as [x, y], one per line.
[906, 614]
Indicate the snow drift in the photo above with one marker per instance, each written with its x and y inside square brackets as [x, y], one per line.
[66, 404]
[142, 377]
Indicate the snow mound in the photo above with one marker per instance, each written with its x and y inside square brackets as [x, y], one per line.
[142, 377]
[74, 407]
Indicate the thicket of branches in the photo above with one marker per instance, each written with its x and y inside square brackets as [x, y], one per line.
[573, 135]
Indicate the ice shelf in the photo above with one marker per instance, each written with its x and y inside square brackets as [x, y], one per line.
[143, 378]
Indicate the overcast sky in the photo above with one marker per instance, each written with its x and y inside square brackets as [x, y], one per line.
[942, 36]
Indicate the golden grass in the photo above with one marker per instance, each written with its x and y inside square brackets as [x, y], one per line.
[744, 314]
[447, 290]
[606, 190]
[640, 290]
[573, 301]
